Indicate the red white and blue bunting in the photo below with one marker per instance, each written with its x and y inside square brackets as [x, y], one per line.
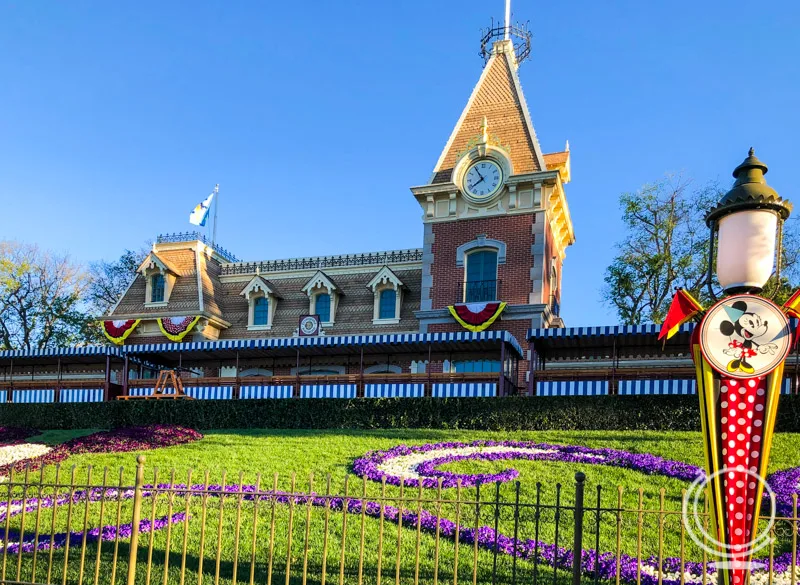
[176, 328]
[476, 316]
[118, 331]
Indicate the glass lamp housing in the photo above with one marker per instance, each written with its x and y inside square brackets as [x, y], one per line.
[746, 249]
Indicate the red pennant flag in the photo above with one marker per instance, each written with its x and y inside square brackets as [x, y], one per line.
[683, 308]
[792, 306]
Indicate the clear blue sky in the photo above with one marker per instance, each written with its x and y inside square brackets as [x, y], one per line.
[316, 117]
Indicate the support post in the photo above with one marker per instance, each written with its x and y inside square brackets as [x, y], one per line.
[107, 381]
[502, 382]
[236, 387]
[531, 368]
[296, 392]
[125, 375]
[428, 367]
[577, 548]
[10, 394]
[360, 392]
[136, 520]
[58, 377]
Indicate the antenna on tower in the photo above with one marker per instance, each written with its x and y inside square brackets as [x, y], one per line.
[508, 18]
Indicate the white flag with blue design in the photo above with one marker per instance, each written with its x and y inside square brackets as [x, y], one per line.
[199, 214]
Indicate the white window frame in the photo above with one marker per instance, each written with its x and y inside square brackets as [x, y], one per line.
[319, 284]
[386, 280]
[257, 288]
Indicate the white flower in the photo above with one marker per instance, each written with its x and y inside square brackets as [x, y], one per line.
[13, 453]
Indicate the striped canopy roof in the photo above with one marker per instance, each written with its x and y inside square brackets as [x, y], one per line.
[85, 354]
[419, 343]
[641, 339]
[462, 341]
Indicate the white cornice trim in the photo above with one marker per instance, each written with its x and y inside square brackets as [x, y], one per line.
[257, 284]
[153, 261]
[277, 277]
[320, 279]
[461, 118]
[384, 276]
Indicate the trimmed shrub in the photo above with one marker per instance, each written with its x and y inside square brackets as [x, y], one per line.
[613, 413]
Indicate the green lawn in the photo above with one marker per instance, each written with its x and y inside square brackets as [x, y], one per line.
[265, 528]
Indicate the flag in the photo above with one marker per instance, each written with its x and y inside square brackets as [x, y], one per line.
[683, 308]
[199, 214]
[792, 306]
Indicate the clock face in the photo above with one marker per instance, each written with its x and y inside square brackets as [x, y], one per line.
[483, 179]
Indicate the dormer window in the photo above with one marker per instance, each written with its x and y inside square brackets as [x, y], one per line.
[262, 300]
[159, 278]
[388, 292]
[157, 288]
[323, 298]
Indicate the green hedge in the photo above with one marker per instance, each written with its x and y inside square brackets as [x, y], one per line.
[675, 413]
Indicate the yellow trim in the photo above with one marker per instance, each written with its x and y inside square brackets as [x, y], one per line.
[774, 382]
[179, 337]
[482, 326]
[120, 340]
[707, 392]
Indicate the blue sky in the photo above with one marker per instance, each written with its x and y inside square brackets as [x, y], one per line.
[316, 117]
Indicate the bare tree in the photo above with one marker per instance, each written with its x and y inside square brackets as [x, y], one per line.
[109, 280]
[40, 299]
[666, 247]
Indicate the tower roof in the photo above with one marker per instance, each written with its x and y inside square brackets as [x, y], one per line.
[497, 96]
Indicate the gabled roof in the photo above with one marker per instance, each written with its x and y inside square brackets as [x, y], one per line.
[257, 283]
[559, 161]
[498, 96]
[320, 279]
[154, 259]
[385, 275]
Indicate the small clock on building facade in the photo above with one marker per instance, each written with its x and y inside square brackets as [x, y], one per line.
[483, 179]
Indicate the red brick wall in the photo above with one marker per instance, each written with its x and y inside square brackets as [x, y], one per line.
[514, 275]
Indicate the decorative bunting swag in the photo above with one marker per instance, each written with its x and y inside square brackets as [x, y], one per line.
[176, 328]
[118, 331]
[476, 316]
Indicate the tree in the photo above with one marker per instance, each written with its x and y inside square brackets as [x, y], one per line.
[666, 247]
[110, 280]
[40, 299]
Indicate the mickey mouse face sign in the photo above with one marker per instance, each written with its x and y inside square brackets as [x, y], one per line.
[744, 336]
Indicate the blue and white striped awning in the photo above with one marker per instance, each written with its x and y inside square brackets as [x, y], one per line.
[597, 341]
[607, 331]
[77, 354]
[372, 344]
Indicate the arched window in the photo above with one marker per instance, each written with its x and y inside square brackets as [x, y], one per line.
[481, 276]
[388, 304]
[322, 307]
[157, 288]
[261, 311]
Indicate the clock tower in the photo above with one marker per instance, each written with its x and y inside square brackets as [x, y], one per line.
[495, 214]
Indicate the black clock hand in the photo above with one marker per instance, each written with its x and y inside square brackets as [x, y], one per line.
[479, 173]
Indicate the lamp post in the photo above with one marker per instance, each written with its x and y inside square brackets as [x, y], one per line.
[748, 225]
[739, 348]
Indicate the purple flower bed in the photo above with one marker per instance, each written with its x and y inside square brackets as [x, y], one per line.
[643, 462]
[14, 435]
[116, 441]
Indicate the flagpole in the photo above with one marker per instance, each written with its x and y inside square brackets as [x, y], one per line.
[216, 208]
